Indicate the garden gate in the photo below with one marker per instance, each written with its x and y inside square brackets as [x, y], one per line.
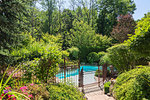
[93, 86]
[68, 73]
[72, 73]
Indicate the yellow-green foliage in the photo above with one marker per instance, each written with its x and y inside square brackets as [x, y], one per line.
[121, 57]
[106, 87]
[74, 53]
[101, 54]
[133, 85]
[140, 42]
[87, 41]
[64, 92]
[105, 59]
[43, 56]
[37, 49]
[93, 57]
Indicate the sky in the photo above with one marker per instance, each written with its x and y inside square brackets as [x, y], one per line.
[143, 6]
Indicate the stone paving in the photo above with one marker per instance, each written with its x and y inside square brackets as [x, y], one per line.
[98, 95]
[95, 93]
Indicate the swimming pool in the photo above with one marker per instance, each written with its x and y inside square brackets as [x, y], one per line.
[72, 75]
[74, 72]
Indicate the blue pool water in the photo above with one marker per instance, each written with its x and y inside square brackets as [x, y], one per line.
[74, 72]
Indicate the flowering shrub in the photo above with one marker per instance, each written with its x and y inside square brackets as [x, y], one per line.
[30, 91]
[39, 91]
[25, 91]
[8, 94]
[34, 91]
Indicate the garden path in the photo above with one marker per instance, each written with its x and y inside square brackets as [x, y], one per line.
[94, 92]
[98, 95]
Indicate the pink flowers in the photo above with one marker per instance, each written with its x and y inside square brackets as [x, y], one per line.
[26, 93]
[30, 96]
[32, 84]
[24, 88]
[9, 96]
[6, 95]
[7, 88]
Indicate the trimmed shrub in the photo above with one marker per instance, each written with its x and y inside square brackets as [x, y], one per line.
[64, 92]
[133, 85]
[121, 57]
[101, 54]
[104, 59]
[74, 53]
[106, 87]
[93, 57]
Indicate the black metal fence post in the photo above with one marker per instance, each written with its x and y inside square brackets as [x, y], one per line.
[79, 74]
[64, 70]
[98, 76]
[104, 72]
[82, 80]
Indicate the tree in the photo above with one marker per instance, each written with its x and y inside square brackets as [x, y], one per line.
[73, 4]
[66, 40]
[11, 12]
[140, 42]
[82, 38]
[67, 24]
[49, 6]
[33, 20]
[124, 28]
[109, 10]
[67, 20]
[87, 11]
[60, 4]
[101, 43]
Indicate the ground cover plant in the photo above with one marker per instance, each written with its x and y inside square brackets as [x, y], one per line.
[106, 87]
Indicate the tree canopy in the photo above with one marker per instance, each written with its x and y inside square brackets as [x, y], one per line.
[139, 43]
[109, 10]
